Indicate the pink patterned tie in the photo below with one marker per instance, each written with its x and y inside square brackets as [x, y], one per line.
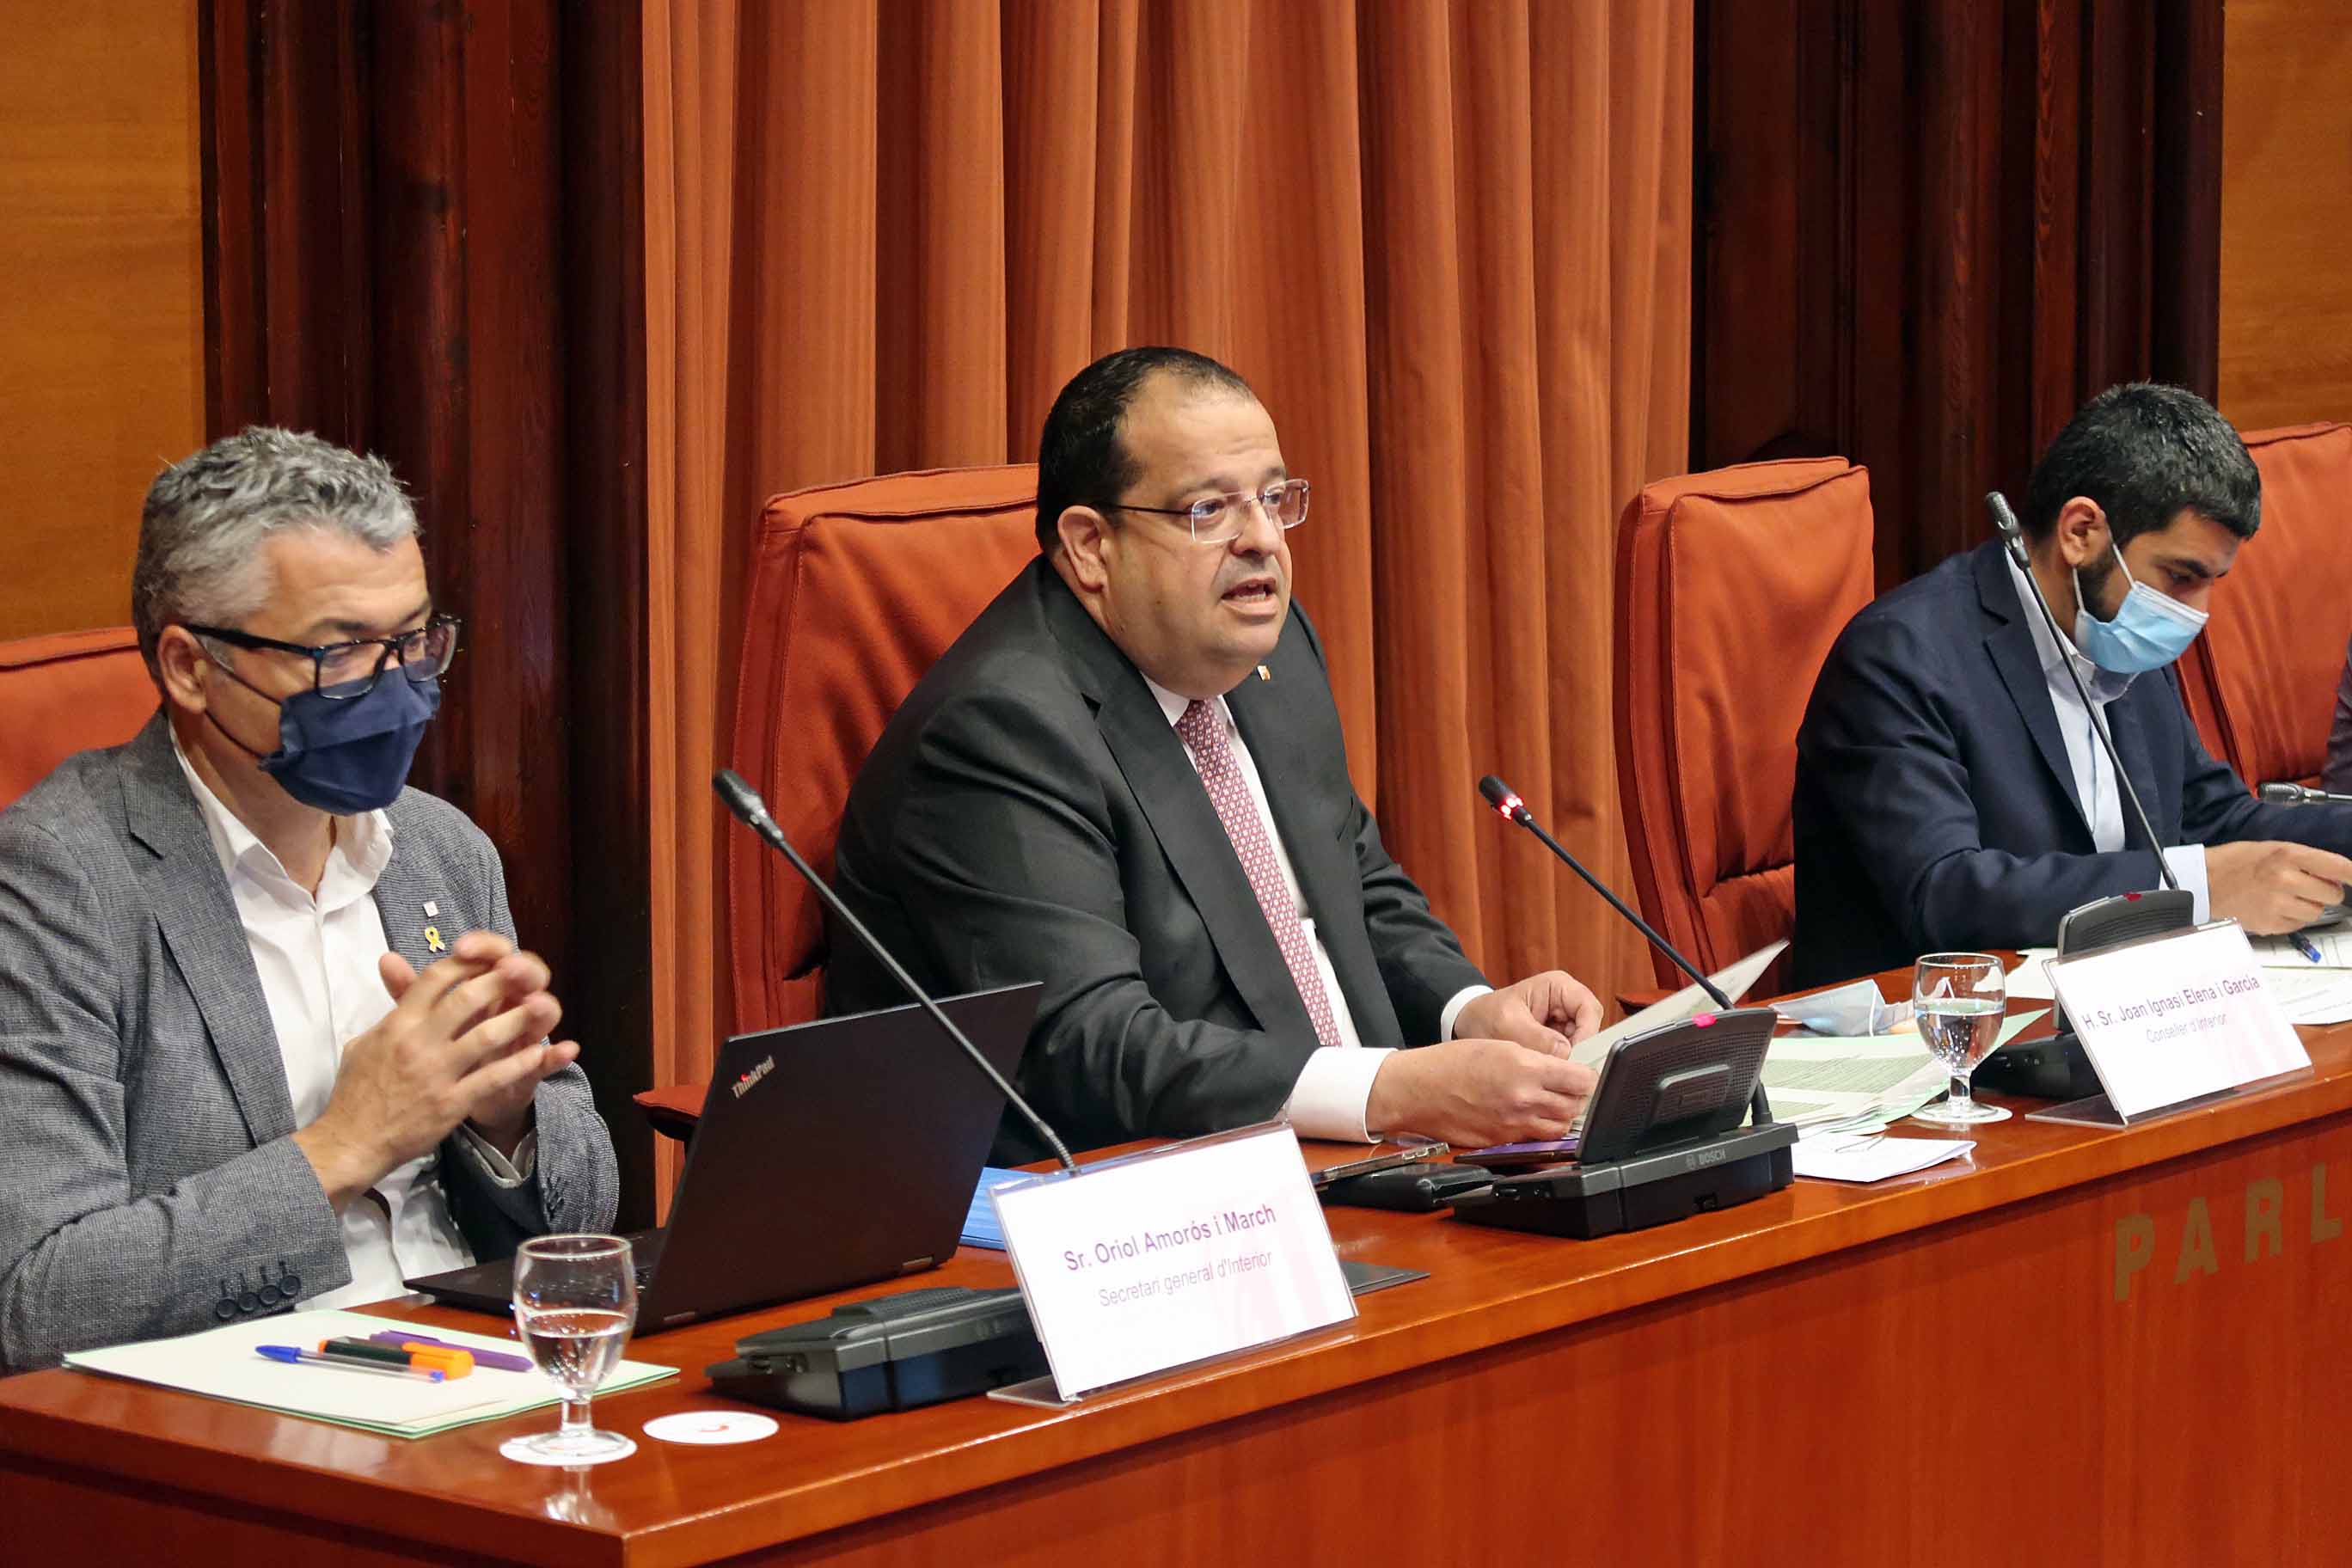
[1203, 733]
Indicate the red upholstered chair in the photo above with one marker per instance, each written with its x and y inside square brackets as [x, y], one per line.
[855, 590]
[68, 693]
[2260, 682]
[1731, 586]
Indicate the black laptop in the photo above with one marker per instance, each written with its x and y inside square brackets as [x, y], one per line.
[828, 1154]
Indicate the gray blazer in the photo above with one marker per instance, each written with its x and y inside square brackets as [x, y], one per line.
[149, 1183]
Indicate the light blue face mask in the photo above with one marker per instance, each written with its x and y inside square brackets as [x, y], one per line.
[2149, 629]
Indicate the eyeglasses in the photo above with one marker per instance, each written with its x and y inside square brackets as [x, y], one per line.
[343, 670]
[1219, 520]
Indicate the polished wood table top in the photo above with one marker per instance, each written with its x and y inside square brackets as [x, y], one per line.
[669, 1504]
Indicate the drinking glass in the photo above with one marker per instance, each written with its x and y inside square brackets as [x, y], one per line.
[575, 1300]
[1959, 1000]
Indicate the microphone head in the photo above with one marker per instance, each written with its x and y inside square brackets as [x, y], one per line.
[740, 798]
[2005, 521]
[1501, 797]
[2283, 794]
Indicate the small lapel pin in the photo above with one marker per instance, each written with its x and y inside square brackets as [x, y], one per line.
[1263, 673]
[431, 908]
[433, 942]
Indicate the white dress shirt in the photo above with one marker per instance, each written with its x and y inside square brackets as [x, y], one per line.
[1328, 1100]
[317, 959]
[2094, 775]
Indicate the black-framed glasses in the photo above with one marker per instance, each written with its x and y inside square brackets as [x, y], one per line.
[343, 670]
[1219, 520]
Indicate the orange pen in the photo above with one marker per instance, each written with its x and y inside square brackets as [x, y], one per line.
[449, 1361]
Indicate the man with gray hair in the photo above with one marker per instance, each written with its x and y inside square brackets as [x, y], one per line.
[265, 1039]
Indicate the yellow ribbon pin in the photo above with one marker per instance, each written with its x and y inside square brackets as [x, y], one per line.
[433, 942]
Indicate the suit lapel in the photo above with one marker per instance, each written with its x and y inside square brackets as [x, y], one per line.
[1165, 785]
[2010, 642]
[402, 894]
[203, 931]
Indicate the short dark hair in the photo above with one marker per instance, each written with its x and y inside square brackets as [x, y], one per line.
[2146, 453]
[1080, 459]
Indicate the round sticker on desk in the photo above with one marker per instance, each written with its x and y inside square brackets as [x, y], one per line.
[712, 1426]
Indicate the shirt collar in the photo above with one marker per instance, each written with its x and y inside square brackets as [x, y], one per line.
[2104, 686]
[362, 850]
[1173, 706]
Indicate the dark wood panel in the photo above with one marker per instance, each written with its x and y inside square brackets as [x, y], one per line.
[1926, 232]
[425, 231]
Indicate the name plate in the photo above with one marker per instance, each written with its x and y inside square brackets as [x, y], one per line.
[1140, 1265]
[2176, 1017]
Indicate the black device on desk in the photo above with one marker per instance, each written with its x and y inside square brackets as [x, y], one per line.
[884, 1095]
[895, 1353]
[1422, 1187]
[1661, 1139]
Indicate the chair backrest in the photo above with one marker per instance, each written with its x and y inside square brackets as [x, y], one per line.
[66, 693]
[1731, 586]
[856, 589]
[2260, 682]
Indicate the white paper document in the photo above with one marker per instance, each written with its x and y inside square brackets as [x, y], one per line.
[2310, 995]
[1843, 1086]
[1871, 1158]
[223, 1363]
[2333, 947]
[1733, 981]
[2030, 981]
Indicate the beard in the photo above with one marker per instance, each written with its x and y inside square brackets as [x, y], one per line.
[2092, 584]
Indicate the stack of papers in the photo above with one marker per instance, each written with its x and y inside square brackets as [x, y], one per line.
[1858, 1085]
[223, 1363]
[2311, 996]
[2030, 981]
[2333, 947]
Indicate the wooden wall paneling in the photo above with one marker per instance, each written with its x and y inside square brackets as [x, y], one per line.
[2285, 335]
[101, 296]
[1994, 212]
[414, 213]
[609, 990]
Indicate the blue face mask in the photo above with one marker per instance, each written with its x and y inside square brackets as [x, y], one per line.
[2149, 629]
[349, 755]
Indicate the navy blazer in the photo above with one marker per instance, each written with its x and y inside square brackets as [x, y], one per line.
[1935, 806]
[1028, 814]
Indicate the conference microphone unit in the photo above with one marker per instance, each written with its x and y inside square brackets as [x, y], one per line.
[2055, 1068]
[1662, 1137]
[745, 802]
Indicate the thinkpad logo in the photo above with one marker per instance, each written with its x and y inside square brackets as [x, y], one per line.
[750, 1080]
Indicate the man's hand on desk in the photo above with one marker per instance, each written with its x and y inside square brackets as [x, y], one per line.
[462, 1040]
[2271, 888]
[1548, 1012]
[1472, 1092]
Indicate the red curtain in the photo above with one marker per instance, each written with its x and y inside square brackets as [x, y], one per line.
[1449, 245]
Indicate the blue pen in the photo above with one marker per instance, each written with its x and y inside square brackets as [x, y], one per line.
[291, 1354]
[2304, 945]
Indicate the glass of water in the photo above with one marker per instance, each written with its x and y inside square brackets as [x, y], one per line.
[575, 1300]
[1959, 1000]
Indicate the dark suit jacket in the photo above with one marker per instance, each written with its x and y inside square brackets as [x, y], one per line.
[1030, 815]
[151, 1184]
[2337, 776]
[1935, 806]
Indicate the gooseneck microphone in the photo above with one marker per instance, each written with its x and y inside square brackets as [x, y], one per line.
[2013, 540]
[1506, 800]
[745, 802]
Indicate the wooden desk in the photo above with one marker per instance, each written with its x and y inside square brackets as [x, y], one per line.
[2086, 1347]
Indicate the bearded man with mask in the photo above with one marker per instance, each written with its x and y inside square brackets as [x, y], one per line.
[1950, 792]
[265, 1039]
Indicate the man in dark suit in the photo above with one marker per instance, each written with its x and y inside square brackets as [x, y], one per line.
[1126, 780]
[265, 1039]
[1950, 792]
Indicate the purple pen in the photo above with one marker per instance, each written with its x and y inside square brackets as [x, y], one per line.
[499, 1358]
